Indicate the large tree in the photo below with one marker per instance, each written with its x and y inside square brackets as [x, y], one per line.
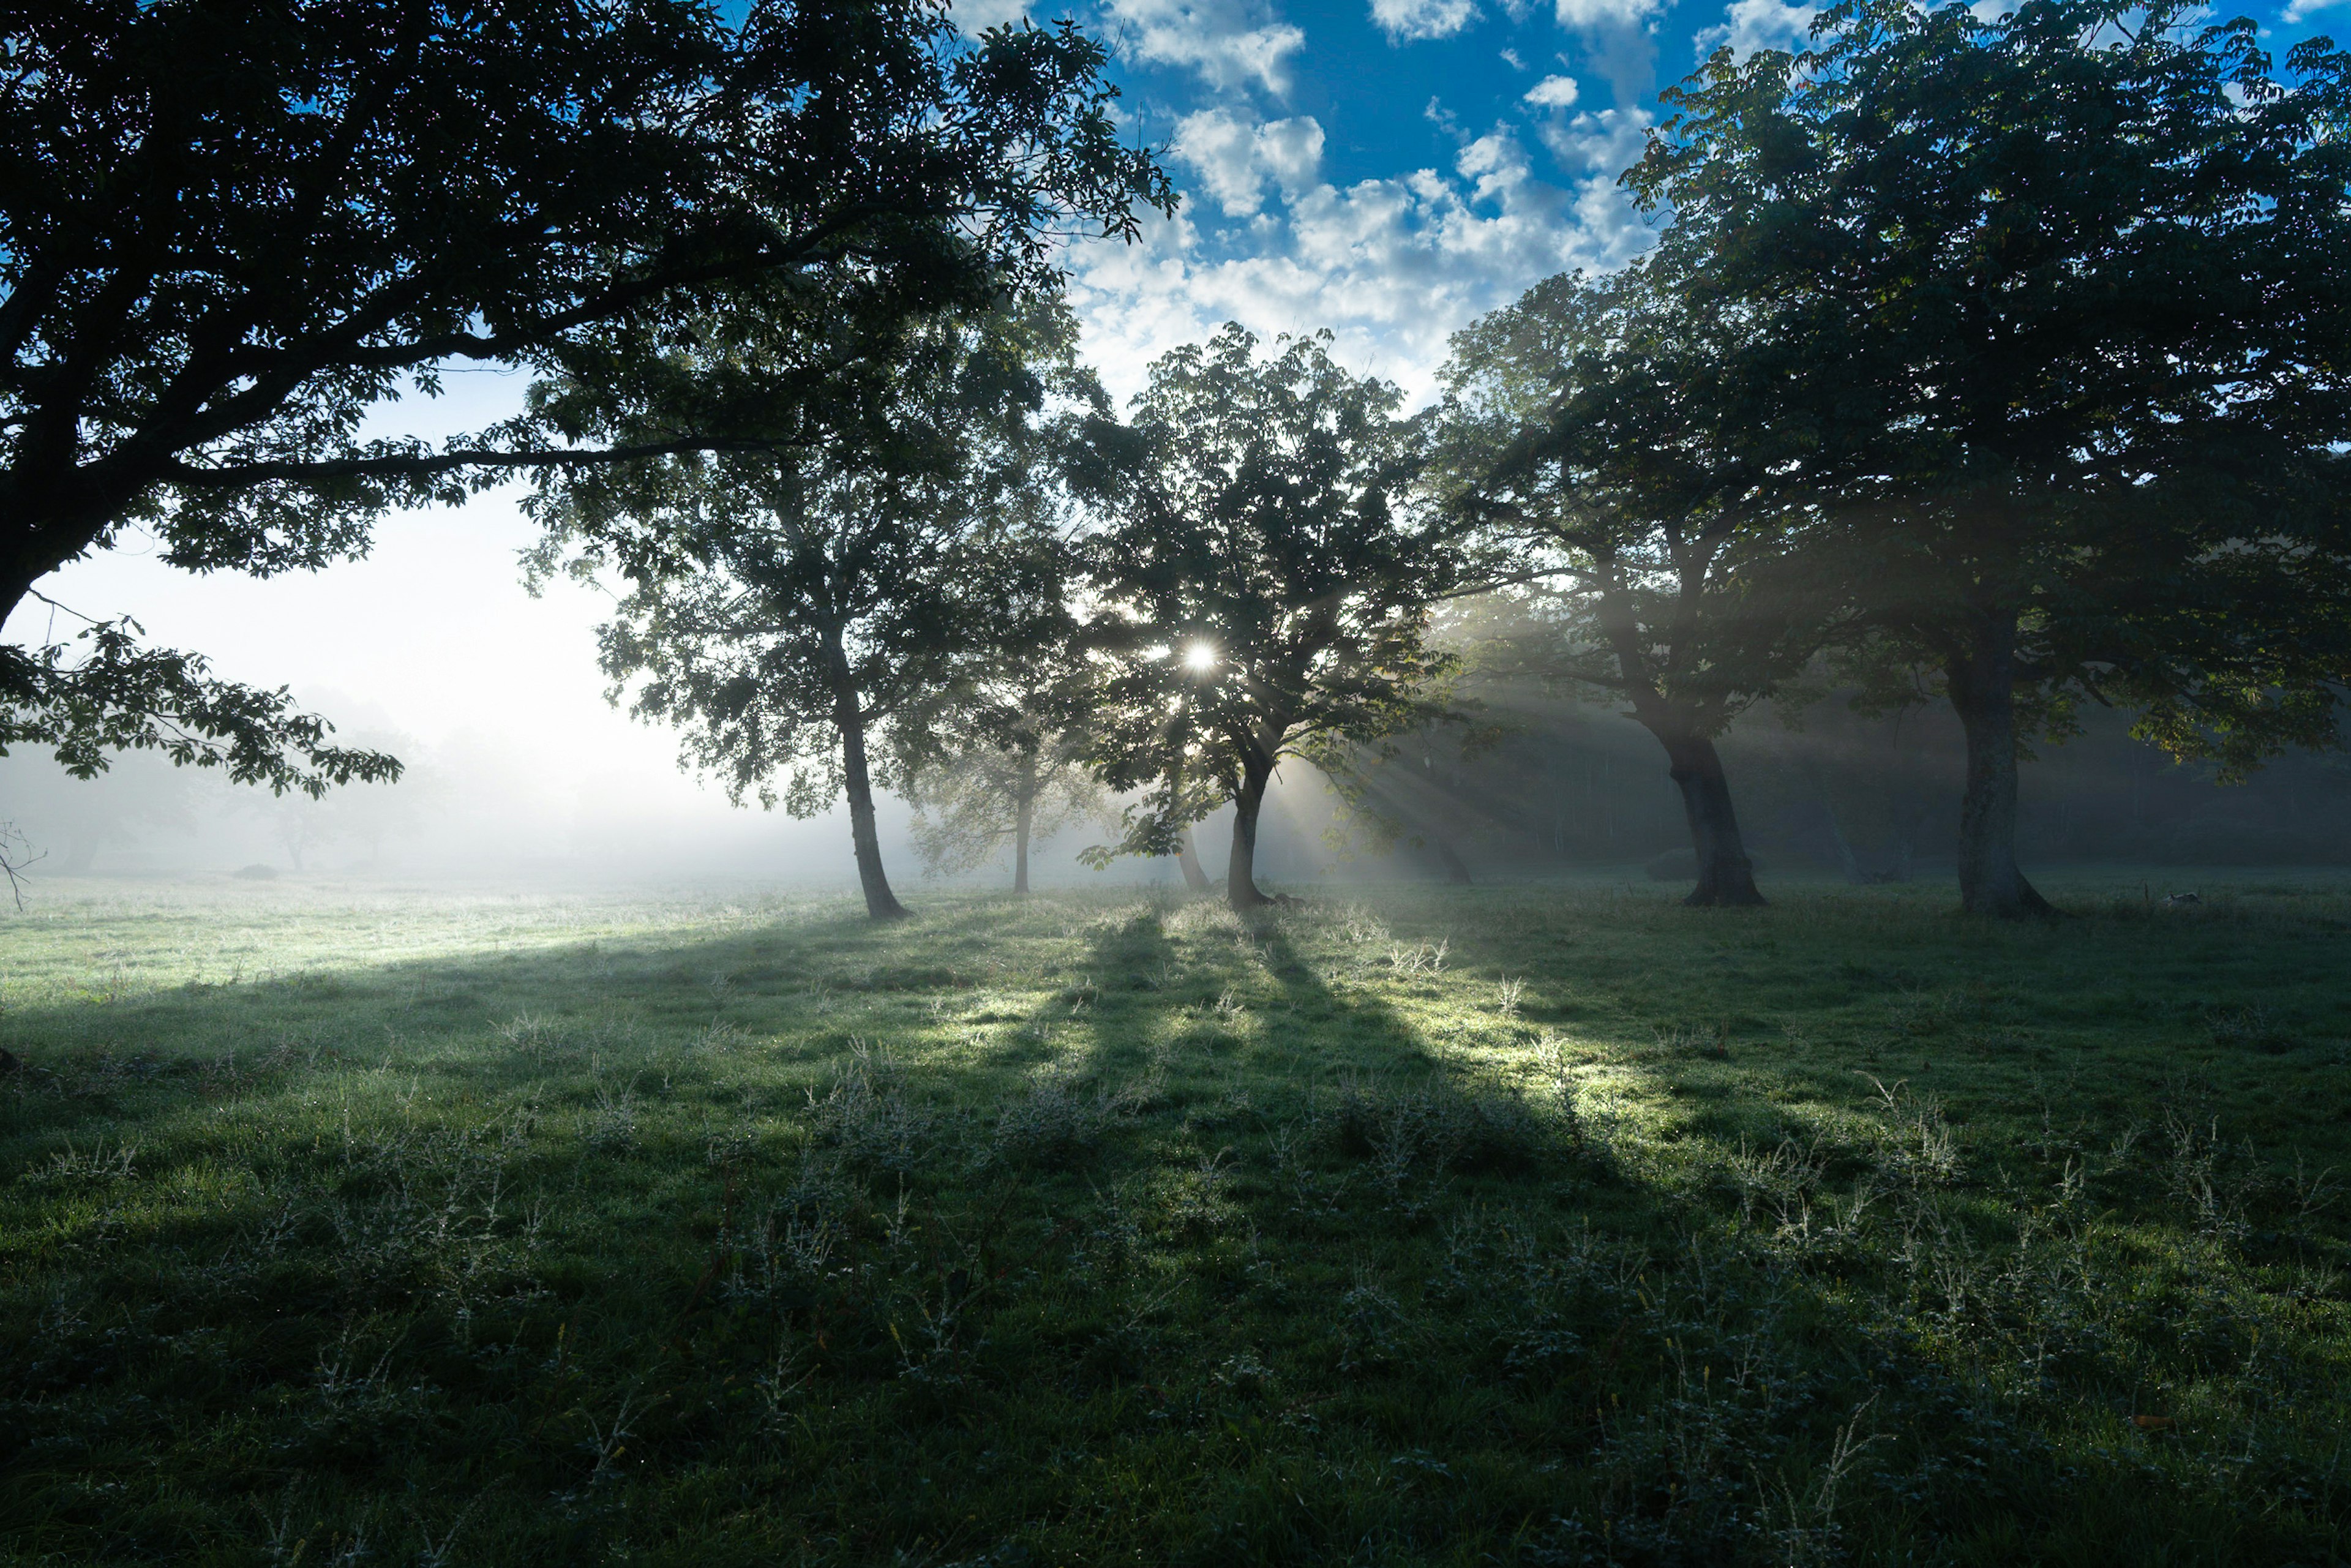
[2068, 288]
[1633, 455]
[231, 231]
[1263, 589]
[840, 567]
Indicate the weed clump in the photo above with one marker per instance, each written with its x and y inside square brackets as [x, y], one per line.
[1432, 1127]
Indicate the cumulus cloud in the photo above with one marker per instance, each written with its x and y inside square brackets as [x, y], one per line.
[1752, 25]
[1404, 19]
[1230, 44]
[1234, 159]
[1607, 16]
[2301, 10]
[1392, 265]
[976, 16]
[1552, 92]
[1598, 146]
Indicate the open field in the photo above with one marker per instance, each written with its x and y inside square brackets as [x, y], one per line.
[1538, 1225]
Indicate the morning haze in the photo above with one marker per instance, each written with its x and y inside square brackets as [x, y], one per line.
[856, 785]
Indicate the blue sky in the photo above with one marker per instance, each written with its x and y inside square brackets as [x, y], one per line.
[1392, 168]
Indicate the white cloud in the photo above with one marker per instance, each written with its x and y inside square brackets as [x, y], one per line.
[1392, 265]
[976, 16]
[1230, 44]
[2302, 9]
[1552, 92]
[1752, 25]
[1234, 159]
[1600, 146]
[1402, 19]
[1605, 15]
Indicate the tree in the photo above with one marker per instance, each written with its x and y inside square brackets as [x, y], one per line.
[1187, 861]
[74, 819]
[233, 230]
[367, 812]
[1264, 589]
[1007, 777]
[1628, 453]
[838, 570]
[2067, 292]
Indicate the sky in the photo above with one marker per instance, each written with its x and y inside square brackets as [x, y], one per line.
[1386, 168]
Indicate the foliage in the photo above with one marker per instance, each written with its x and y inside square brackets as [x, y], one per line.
[1612, 443]
[2056, 299]
[838, 568]
[1104, 1229]
[233, 230]
[77, 819]
[1630, 454]
[897, 551]
[104, 692]
[1264, 587]
[988, 792]
[369, 814]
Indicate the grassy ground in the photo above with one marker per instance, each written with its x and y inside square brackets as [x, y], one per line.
[1537, 1226]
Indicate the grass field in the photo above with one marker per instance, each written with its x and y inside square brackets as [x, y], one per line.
[1535, 1225]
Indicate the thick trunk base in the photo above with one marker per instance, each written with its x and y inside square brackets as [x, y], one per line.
[880, 904]
[1726, 877]
[1241, 874]
[1982, 688]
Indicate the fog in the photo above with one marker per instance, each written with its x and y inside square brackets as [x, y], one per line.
[521, 773]
[532, 781]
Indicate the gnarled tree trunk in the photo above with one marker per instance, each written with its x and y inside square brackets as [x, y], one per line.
[1982, 684]
[1240, 879]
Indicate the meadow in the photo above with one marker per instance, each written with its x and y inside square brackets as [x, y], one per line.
[1531, 1225]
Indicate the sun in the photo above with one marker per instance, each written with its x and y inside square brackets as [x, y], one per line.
[1200, 656]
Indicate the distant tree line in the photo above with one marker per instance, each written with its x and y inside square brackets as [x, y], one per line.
[2003, 360]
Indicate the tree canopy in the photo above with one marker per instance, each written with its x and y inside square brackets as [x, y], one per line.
[1631, 454]
[2061, 294]
[1263, 588]
[834, 569]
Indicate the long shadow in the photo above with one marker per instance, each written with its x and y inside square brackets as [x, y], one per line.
[1314, 1243]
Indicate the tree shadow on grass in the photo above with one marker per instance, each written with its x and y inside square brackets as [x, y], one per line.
[1183, 1246]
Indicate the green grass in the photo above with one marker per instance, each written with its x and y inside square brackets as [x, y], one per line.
[1537, 1226]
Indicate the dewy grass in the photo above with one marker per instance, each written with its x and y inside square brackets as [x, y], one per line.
[1541, 1226]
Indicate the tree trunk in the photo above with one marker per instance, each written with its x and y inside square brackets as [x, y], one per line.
[81, 850]
[1241, 880]
[1849, 862]
[1188, 859]
[1725, 875]
[1456, 871]
[849, 714]
[1024, 815]
[1982, 682]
